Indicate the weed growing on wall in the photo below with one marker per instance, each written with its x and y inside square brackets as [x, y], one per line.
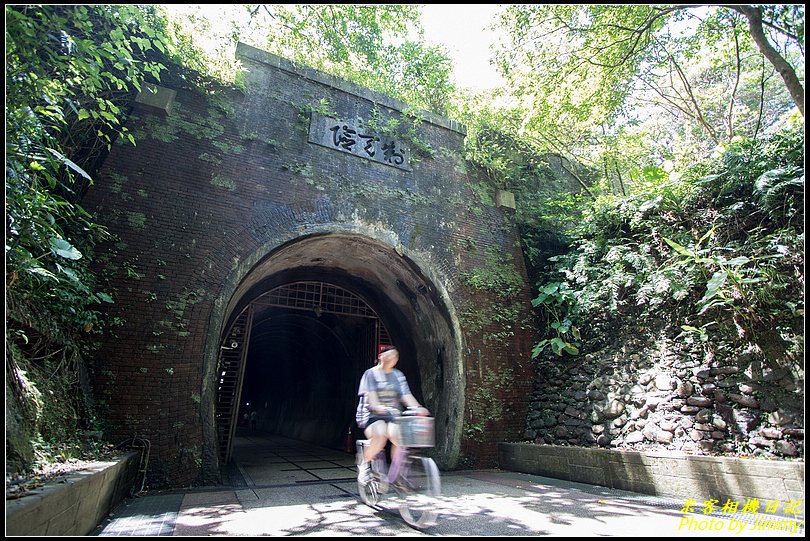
[500, 279]
[484, 406]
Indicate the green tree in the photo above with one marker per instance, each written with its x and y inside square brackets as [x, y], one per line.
[379, 47]
[787, 20]
[677, 79]
[71, 73]
[628, 102]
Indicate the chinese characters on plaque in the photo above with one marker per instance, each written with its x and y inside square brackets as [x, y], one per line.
[348, 137]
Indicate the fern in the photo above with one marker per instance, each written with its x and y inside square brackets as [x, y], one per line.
[780, 191]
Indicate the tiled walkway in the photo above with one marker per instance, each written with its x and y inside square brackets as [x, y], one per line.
[261, 463]
[281, 487]
[149, 516]
[274, 460]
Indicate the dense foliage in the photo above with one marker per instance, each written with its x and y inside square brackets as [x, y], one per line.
[71, 74]
[683, 79]
[719, 252]
[651, 153]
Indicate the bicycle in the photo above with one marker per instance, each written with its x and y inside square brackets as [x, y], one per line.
[414, 478]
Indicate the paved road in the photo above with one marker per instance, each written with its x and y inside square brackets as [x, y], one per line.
[298, 490]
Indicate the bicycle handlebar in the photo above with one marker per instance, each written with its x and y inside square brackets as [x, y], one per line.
[408, 412]
[418, 411]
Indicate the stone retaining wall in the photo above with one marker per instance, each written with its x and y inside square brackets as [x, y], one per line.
[76, 504]
[660, 395]
[684, 476]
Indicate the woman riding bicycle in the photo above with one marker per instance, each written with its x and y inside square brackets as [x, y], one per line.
[386, 390]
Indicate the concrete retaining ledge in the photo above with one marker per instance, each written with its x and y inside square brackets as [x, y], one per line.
[662, 474]
[76, 504]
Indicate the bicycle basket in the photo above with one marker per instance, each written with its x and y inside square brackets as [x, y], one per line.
[416, 431]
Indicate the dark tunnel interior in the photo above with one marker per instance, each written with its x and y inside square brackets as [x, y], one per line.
[302, 371]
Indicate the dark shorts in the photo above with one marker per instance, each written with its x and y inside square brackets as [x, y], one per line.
[373, 418]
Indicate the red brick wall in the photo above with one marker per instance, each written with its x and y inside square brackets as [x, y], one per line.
[208, 185]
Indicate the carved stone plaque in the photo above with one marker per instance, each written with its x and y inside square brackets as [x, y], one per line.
[345, 136]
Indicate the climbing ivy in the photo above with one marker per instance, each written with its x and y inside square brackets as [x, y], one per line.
[403, 127]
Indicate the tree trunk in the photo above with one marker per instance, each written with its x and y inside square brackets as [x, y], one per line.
[794, 86]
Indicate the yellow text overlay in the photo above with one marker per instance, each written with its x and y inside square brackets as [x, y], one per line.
[761, 524]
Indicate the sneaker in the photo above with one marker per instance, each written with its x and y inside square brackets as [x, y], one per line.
[364, 474]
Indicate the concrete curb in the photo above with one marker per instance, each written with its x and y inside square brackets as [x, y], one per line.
[76, 504]
[686, 476]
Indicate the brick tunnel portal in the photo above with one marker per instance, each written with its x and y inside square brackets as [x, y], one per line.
[305, 323]
[233, 193]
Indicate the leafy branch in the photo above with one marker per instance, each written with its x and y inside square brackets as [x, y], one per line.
[555, 298]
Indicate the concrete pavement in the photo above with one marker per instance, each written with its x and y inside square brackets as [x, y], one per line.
[282, 487]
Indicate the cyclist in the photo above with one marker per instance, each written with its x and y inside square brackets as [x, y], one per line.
[386, 390]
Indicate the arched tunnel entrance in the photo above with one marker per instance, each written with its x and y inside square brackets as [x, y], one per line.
[307, 321]
[309, 344]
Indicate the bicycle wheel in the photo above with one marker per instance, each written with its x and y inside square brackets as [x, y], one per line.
[419, 486]
[369, 492]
